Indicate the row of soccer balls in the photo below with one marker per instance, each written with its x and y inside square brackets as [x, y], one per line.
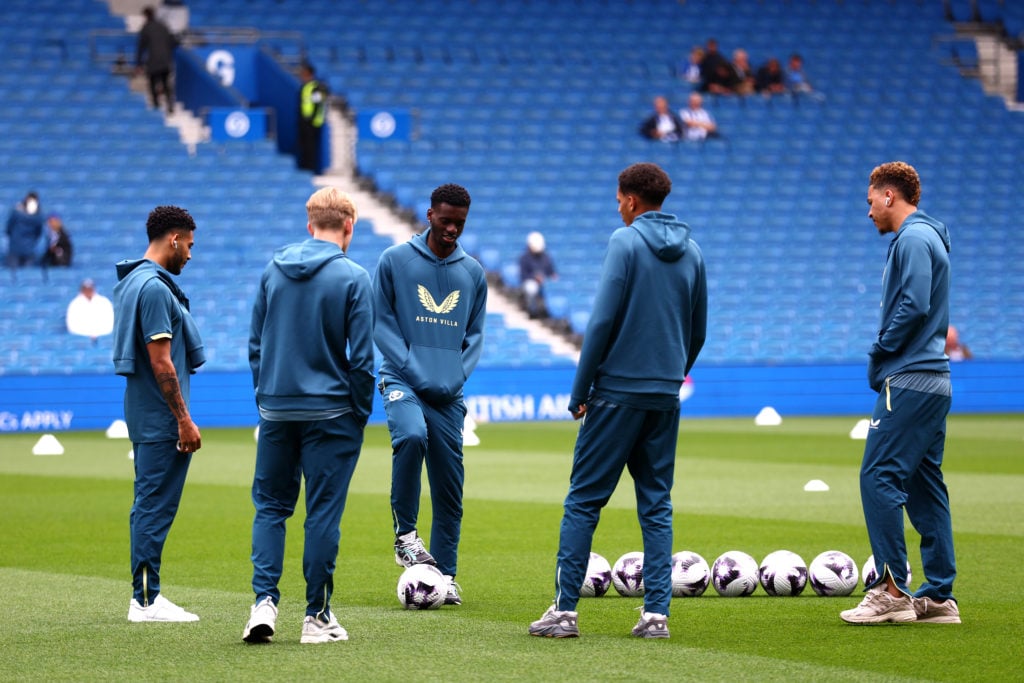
[733, 574]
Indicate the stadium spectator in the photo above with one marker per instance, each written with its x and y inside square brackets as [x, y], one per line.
[907, 366]
[796, 79]
[24, 232]
[154, 54]
[699, 123]
[535, 268]
[314, 399]
[312, 114]
[742, 73]
[157, 347]
[689, 70]
[663, 124]
[647, 328]
[429, 308]
[58, 243]
[90, 314]
[714, 70]
[956, 349]
[770, 79]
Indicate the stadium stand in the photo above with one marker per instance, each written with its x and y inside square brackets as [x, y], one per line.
[534, 107]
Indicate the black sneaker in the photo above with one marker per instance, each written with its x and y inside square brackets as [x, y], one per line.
[409, 550]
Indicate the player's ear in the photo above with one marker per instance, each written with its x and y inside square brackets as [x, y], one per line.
[309, 228]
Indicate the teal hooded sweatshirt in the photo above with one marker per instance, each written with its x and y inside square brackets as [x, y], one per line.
[311, 337]
[429, 316]
[649, 320]
[915, 302]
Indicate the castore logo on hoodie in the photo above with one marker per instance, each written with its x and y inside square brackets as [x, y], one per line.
[446, 306]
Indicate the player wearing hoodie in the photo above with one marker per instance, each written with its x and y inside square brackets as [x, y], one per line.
[647, 328]
[908, 367]
[311, 353]
[156, 348]
[430, 300]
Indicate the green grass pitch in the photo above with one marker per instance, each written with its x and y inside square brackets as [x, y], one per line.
[64, 584]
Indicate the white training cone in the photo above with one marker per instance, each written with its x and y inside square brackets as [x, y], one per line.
[860, 430]
[47, 445]
[768, 417]
[815, 485]
[118, 429]
[469, 437]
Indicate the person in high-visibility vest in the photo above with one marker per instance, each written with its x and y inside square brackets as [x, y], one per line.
[312, 114]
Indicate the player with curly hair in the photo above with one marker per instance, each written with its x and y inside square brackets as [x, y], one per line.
[157, 347]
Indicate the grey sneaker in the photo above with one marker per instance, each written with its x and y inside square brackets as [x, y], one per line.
[651, 625]
[878, 607]
[262, 617]
[452, 597]
[933, 612]
[316, 631]
[409, 550]
[555, 624]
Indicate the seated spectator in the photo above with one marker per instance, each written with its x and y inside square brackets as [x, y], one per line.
[24, 232]
[535, 268]
[955, 349]
[663, 124]
[742, 73]
[715, 73]
[700, 125]
[770, 79]
[689, 71]
[796, 79]
[58, 247]
[90, 314]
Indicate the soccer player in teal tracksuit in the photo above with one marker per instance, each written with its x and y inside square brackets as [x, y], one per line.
[429, 310]
[648, 325]
[157, 347]
[311, 353]
[908, 367]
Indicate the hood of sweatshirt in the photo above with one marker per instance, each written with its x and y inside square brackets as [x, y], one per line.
[302, 260]
[664, 234]
[940, 228]
[419, 243]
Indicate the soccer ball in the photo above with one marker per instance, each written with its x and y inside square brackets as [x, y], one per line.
[734, 574]
[833, 573]
[870, 574]
[690, 574]
[422, 586]
[782, 573]
[598, 578]
[628, 574]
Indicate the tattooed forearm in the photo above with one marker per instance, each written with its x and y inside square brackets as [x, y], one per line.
[168, 383]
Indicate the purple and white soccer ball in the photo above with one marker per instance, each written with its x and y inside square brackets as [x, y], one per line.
[832, 573]
[870, 574]
[782, 573]
[690, 574]
[598, 578]
[628, 574]
[734, 574]
[422, 586]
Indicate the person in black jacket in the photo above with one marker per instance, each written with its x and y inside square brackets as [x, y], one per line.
[156, 44]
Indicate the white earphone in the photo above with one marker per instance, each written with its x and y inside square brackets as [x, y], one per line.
[888, 201]
[175, 242]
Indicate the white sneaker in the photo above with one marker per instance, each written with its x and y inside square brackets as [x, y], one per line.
[878, 607]
[933, 612]
[161, 609]
[316, 631]
[451, 596]
[262, 617]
